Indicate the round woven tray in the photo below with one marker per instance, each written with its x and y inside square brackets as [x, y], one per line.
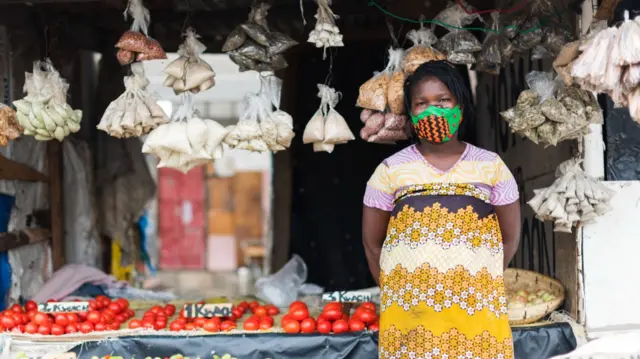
[520, 279]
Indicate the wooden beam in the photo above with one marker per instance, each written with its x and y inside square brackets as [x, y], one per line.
[15, 171]
[54, 157]
[22, 238]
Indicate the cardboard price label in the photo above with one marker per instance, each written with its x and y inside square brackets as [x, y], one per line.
[64, 307]
[207, 310]
[347, 297]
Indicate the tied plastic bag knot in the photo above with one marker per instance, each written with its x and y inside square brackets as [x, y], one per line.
[191, 47]
[542, 83]
[328, 98]
[140, 15]
[186, 110]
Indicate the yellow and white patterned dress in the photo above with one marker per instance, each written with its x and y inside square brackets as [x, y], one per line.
[441, 280]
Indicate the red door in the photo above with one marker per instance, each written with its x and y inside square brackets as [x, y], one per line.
[181, 199]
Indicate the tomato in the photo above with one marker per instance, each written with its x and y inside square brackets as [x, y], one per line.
[253, 304]
[265, 324]
[100, 327]
[308, 325]
[332, 314]
[183, 321]
[31, 314]
[251, 325]
[299, 314]
[297, 305]
[115, 307]
[199, 322]
[340, 326]
[160, 325]
[51, 300]
[169, 310]
[8, 322]
[123, 303]
[16, 308]
[86, 327]
[356, 325]
[211, 326]
[369, 305]
[366, 316]
[291, 327]
[72, 318]
[82, 316]
[322, 318]
[156, 309]
[260, 311]
[31, 328]
[227, 325]
[176, 326]
[148, 325]
[130, 313]
[114, 326]
[94, 317]
[135, 324]
[374, 327]
[39, 318]
[333, 305]
[18, 329]
[44, 330]
[273, 310]
[189, 326]
[71, 328]
[31, 305]
[94, 305]
[287, 318]
[62, 319]
[120, 318]
[237, 313]
[57, 329]
[267, 319]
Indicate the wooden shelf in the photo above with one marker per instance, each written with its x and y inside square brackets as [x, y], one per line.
[13, 240]
[15, 171]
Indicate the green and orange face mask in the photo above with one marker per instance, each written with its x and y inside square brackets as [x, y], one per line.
[437, 125]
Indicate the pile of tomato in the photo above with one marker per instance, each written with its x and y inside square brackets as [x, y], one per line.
[333, 319]
[104, 314]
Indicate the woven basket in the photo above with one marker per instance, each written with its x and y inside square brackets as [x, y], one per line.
[520, 279]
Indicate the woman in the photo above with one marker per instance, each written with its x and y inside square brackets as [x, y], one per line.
[441, 222]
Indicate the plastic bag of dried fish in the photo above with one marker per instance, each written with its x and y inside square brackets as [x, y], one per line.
[490, 58]
[527, 39]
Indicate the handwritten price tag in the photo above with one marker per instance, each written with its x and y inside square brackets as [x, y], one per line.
[207, 310]
[347, 297]
[64, 307]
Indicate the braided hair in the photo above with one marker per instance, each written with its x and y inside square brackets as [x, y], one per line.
[451, 77]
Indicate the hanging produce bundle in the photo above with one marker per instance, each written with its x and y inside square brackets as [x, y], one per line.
[573, 198]
[135, 113]
[252, 46]
[384, 86]
[327, 127]
[135, 44]
[383, 128]
[190, 72]
[260, 129]
[44, 112]
[459, 45]
[422, 50]
[610, 63]
[549, 114]
[326, 33]
[10, 129]
[187, 141]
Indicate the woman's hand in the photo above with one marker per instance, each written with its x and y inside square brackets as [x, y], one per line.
[510, 226]
[374, 231]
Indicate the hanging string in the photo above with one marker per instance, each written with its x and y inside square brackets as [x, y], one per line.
[516, 8]
[327, 80]
[304, 21]
[541, 23]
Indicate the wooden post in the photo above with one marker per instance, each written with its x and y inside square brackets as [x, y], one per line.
[54, 158]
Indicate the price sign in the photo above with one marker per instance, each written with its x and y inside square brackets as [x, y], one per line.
[347, 297]
[64, 307]
[207, 310]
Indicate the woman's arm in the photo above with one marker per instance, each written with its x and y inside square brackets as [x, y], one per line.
[374, 231]
[510, 226]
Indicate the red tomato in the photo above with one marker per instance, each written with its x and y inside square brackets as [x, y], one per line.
[71, 328]
[374, 327]
[366, 316]
[8, 322]
[19, 329]
[260, 311]
[227, 325]
[332, 314]
[16, 308]
[156, 309]
[287, 318]
[31, 305]
[189, 326]
[369, 305]
[148, 325]
[199, 322]
[115, 307]
[251, 325]
[333, 305]
[39, 318]
[51, 301]
[82, 316]
[253, 304]
[120, 318]
[169, 310]
[62, 319]
[356, 325]
[160, 325]
[291, 327]
[211, 326]
[31, 328]
[72, 318]
[267, 319]
[296, 305]
[44, 330]
[100, 327]
[130, 313]
[123, 303]
[94, 317]
[57, 329]
[176, 326]
[265, 324]
[322, 318]
[340, 326]
[308, 325]
[183, 321]
[114, 326]
[86, 327]
[135, 324]
[31, 314]
[94, 305]
[273, 310]
[299, 314]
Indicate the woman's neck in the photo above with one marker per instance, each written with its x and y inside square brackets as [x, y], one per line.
[451, 147]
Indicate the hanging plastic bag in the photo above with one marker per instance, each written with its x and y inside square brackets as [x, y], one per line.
[421, 51]
[189, 72]
[136, 43]
[530, 37]
[326, 33]
[490, 58]
[458, 44]
[327, 127]
[10, 129]
[373, 93]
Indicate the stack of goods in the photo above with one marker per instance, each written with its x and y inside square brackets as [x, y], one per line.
[135, 112]
[327, 127]
[422, 50]
[260, 129]
[610, 63]
[333, 319]
[187, 141]
[383, 128]
[326, 33]
[550, 113]
[252, 46]
[44, 112]
[135, 44]
[459, 45]
[10, 129]
[573, 198]
[190, 72]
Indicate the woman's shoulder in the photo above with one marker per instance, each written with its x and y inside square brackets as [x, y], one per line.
[478, 154]
[402, 157]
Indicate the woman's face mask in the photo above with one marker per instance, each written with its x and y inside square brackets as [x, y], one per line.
[437, 125]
